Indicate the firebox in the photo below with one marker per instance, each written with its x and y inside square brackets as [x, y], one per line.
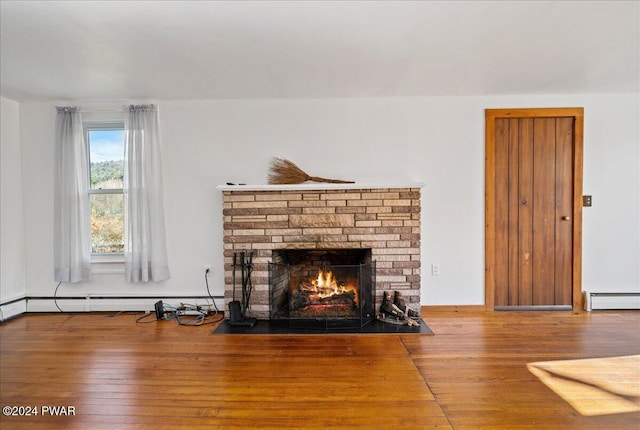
[322, 289]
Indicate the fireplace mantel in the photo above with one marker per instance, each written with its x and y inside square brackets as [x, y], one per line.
[307, 186]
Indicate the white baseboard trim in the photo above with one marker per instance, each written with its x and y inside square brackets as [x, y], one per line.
[611, 301]
[13, 308]
[99, 304]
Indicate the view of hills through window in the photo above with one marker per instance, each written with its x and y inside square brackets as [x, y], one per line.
[106, 157]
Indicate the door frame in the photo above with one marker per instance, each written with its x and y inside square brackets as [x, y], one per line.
[577, 113]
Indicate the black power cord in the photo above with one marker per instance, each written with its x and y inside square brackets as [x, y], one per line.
[201, 318]
[206, 280]
[55, 299]
[140, 319]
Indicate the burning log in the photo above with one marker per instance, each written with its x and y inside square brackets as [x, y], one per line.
[307, 286]
[346, 298]
[300, 299]
[304, 298]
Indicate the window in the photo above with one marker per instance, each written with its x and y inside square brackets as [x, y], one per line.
[105, 142]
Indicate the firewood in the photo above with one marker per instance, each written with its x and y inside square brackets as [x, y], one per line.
[303, 298]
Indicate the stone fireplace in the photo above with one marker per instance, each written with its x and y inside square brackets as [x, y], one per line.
[314, 229]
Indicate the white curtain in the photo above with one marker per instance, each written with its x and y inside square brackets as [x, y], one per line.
[72, 229]
[144, 234]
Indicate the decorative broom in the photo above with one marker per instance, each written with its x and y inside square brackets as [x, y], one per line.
[284, 171]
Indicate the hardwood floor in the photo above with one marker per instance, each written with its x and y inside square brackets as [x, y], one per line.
[472, 374]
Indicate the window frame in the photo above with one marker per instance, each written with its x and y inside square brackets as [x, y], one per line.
[87, 127]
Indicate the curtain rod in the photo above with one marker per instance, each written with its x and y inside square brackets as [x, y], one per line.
[123, 108]
[102, 109]
[91, 109]
[99, 109]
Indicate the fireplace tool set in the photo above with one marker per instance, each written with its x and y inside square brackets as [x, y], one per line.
[238, 309]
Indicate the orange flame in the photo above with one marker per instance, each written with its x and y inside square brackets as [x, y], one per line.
[325, 285]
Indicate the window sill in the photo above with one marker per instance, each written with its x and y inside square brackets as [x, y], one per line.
[107, 258]
[107, 263]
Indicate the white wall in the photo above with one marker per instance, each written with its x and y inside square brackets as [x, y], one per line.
[611, 241]
[12, 256]
[439, 141]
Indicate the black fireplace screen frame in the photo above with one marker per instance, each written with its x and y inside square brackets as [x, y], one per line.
[280, 299]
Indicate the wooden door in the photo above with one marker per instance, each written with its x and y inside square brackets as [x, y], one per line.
[534, 189]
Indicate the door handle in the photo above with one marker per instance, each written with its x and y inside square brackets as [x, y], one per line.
[566, 218]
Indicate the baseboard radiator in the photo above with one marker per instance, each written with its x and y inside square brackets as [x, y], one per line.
[95, 303]
[612, 301]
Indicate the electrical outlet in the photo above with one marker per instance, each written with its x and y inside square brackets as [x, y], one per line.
[435, 269]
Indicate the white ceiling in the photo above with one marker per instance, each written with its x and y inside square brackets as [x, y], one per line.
[111, 50]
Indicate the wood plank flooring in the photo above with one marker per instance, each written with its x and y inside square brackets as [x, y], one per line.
[472, 374]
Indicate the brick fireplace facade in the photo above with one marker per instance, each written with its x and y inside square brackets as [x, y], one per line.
[324, 216]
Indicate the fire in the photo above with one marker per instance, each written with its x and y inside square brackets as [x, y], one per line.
[325, 295]
[325, 285]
